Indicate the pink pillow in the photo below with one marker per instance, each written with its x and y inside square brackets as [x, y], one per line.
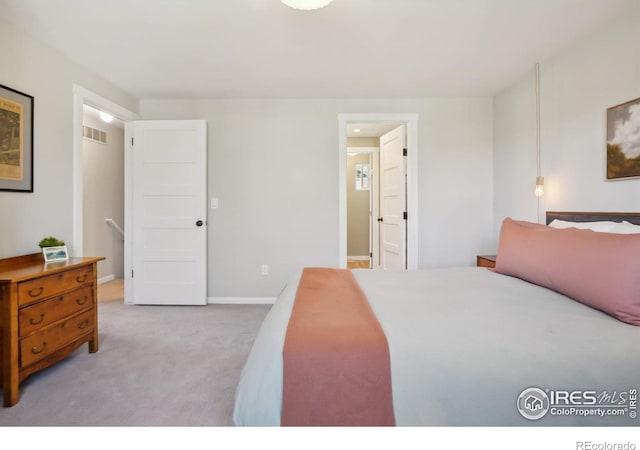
[601, 270]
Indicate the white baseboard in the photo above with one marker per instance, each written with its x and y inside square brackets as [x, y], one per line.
[241, 300]
[106, 279]
[358, 258]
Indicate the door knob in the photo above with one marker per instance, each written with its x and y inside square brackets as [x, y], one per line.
[199, 223]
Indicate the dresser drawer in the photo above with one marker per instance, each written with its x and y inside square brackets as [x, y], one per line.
[51, 338]
[34, 317]
[34, 290]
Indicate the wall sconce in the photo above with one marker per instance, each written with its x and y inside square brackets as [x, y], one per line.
[539, 186]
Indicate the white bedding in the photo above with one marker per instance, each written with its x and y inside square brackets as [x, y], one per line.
[464, 343]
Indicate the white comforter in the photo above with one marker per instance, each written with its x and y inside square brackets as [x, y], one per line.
[464, 344]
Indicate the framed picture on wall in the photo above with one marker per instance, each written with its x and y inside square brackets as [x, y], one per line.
[16, 140]
[623, 140]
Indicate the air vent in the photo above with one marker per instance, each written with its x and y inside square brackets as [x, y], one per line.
[94, 134]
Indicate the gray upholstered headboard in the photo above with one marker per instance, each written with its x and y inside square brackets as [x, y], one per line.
[593, 216]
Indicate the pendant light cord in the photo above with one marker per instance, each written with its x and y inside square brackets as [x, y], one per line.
[538, 165]
[538, 162]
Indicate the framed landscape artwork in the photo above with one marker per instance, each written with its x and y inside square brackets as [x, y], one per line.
[623, 140]
[16, 140]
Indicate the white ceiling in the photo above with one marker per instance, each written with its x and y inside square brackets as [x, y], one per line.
[370, 129]
[351, 48]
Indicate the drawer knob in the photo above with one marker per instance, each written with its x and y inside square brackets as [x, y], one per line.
[81, 301]
[33, 321]
[84, 324]
[36, 350]
[36, 292]
[81, 279]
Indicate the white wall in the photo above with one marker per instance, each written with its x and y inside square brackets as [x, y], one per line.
[103, 197]
[273, 164]
[35, 69]
[577, 86]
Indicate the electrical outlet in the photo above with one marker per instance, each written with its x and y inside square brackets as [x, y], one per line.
[265, 269]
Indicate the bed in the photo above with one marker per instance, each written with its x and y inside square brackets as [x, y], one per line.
[472, 346]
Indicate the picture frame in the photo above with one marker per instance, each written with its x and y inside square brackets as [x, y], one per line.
[362, 177]
[16, 140]
[623, 140]
[55, 253]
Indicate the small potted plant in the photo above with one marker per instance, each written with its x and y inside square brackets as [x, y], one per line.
[53, 249]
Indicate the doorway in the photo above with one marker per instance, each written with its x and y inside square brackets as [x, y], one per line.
[376, 125]
[84, 99]
[103, 191]
[362, 200]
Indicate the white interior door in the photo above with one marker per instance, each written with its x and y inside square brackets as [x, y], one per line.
[375, 210]
[393, 205]
[168, 224]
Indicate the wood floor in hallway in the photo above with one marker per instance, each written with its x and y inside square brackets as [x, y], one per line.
[358, 264]
[111, 290]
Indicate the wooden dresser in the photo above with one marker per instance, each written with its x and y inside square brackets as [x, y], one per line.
[46, 312]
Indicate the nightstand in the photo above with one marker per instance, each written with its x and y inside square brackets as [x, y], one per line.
[486, 261]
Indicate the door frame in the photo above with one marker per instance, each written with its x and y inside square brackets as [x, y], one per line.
[83, 96]
[411, 123]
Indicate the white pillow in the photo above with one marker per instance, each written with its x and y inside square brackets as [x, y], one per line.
[625, 227]
[603, 226]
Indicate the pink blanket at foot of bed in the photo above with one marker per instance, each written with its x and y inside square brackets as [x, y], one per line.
[337, 368]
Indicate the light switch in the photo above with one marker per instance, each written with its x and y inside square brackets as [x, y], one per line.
[214, 203]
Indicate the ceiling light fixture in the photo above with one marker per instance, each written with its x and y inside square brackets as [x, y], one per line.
[106, 117]
[306, 5]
